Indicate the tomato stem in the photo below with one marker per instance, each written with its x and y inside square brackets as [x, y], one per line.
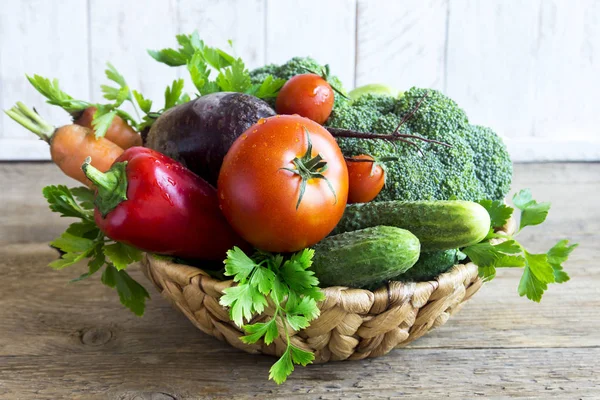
[308, 167]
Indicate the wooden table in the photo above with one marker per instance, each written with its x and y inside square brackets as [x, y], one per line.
[60, 340]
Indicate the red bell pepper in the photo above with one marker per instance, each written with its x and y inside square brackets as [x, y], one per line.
[152, 202]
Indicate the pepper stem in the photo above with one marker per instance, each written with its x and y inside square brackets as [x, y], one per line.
[308, 167]
[111, 185]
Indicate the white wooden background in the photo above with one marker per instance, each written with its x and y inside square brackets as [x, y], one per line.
[530, 69]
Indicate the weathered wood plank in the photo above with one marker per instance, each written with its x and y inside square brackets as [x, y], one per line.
[37, 37]
[501, 374]
[121, 32]
[322, 30]
[401, 43]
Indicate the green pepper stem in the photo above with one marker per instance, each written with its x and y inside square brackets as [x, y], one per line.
[111, 185]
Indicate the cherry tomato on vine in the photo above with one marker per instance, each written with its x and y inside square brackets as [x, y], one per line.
[308, 95]
[283, 185]
[365, 179]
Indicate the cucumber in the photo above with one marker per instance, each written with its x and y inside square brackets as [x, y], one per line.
[439, 225]
[429, 266]
[365, 256]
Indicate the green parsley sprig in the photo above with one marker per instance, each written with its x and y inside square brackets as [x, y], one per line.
[83, 240]
[201, 60]
[286, 285]
[500, 250]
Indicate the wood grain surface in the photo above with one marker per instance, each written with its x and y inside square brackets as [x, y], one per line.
[75, 341]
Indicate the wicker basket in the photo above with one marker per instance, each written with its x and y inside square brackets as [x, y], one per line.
[354, 323]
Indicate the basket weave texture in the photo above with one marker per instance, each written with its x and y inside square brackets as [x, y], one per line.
[354, 323]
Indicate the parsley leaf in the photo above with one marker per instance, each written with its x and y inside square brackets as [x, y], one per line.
[173, 93]
[294, 292]
[84, 240]
[532, 212]
[268, 89]
[62, 201]
[558, 255]
[121, 255]
[235, 79]
[132, 294]
[144, 103]
[103, 117]
[539, 270]
[499, 212]
[55, 96]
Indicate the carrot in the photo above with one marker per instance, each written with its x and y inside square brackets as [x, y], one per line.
[70, 145]
[119, 131]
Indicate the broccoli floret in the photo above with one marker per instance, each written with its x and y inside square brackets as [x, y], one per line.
[441, 173]
[493, 166]
[297, 66]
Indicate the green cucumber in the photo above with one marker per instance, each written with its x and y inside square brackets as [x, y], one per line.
[365, 256]
[429, 266]
[439, 225]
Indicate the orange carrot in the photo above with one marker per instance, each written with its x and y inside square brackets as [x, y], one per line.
[119, 131]
[70, 145]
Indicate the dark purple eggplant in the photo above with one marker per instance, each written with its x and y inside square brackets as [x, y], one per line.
[199, 133]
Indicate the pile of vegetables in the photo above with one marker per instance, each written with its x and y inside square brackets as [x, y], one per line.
[295, 184]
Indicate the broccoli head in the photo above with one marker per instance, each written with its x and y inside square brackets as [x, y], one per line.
[493, 166]
[296, 66]
[441, 172]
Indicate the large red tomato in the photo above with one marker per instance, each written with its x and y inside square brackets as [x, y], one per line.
[261, 183]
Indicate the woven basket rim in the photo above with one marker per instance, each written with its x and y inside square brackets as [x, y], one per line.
[393, 292]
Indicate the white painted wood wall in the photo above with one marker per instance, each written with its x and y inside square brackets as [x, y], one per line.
[530, 69]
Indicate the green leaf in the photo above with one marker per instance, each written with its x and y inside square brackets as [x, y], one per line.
[238, 265]
[218, 59]
[262, 279]
[81, 229]
[96, 262]
[114, 75]
[72, 244]
[239, 299]
[173, 93]
[267, 331]
[499, 212]
[171, 57]
[306, 307]
[198, 69]
[132, 294]
[68, 259]
[301, 357]
[539, 266]
[55, 96]
[61, 201]
[84, 196]
[532, 212]
[103, 118]
[282, 368]
[531, 287]
[558, 255]
[268, 89]
[297, 322]
[234, 79]
[144, 103]
[122, 255]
